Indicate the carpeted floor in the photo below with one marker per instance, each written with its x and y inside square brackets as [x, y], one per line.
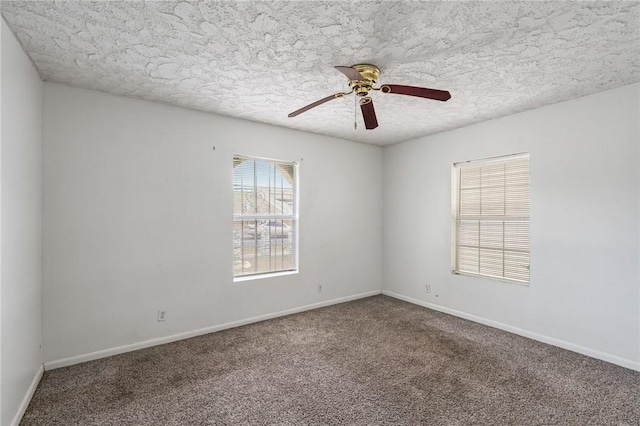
[375, 361]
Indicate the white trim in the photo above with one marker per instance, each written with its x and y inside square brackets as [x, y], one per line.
[250, 277]
[492, 278]
[27, 397]
[623, 362]
[499, 158]
[253, 157]
[65, 362]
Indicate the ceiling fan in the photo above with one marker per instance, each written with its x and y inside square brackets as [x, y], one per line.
[362, 79]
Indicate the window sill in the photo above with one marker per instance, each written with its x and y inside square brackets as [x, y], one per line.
[261, 276]
[488, 277]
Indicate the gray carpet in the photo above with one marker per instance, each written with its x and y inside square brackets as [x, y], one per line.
[375, 361]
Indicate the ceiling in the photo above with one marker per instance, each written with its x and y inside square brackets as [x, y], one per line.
[262, 60]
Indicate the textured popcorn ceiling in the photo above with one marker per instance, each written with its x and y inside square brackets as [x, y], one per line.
[262, 60]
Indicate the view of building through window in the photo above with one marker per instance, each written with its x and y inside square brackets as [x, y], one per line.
[265, 216]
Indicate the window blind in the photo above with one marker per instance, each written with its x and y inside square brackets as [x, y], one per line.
[264, 216]
[492, 218]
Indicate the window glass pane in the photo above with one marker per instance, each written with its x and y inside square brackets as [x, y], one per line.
[265, 224]
[469, 203]
[491, 234]
[516, 235]
[469, 259]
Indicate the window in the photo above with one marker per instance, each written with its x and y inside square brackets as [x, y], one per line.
[491, 213]
[265, 224]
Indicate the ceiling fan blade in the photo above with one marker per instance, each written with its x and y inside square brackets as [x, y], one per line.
[315, 104]
[368, 113]
[421, 92]
[351, 73]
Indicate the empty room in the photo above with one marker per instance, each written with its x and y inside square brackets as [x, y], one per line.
[320, 213]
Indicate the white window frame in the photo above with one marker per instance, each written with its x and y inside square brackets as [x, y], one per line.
[294, 217]
[455, 234]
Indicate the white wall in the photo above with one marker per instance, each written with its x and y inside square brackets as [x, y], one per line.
[584, 291]
[21, 228]
[138, 216]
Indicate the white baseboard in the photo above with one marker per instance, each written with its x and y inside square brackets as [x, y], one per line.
[27, 397]
[180, 336]
[623, 362]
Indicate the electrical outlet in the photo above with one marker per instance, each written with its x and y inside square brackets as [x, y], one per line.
[319, 288]
[162, 315]
[427, 288]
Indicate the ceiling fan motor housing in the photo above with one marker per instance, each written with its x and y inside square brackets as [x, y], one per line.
[370, 74]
